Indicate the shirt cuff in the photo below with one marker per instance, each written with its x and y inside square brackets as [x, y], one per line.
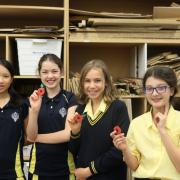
[92, 168]
[75, 136]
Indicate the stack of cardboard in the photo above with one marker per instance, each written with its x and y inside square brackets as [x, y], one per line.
[169, 59]
[129, 86]
[166, 59]
[74, 83]
[123, 25]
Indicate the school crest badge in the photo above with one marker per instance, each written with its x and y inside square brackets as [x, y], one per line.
[15, 116]
[63, 112]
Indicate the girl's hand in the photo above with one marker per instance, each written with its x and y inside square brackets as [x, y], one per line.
[119, 140]
[82, 173]
[160, 118]
[74, 124]
[35, 101]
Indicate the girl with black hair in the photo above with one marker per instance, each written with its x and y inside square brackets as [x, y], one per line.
[48, 116]
[13, 120]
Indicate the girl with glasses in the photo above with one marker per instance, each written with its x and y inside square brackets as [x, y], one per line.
[152, 146]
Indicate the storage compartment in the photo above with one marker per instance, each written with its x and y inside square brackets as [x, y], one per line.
[121, 59]
[136, 6]
[30, 14]
[157, 49]
[165, 55]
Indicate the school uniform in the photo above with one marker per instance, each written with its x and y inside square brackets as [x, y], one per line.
[146, 145]
[12, 140]
[93, 146]
[51, 160]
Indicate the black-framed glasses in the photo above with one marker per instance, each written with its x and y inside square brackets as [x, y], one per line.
[158, 89]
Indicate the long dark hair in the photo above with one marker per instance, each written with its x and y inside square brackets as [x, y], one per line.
[50, 57]
[53, 58]
[15, 98]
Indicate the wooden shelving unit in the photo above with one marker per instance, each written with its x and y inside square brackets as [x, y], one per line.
[19, 14]
[125, 52]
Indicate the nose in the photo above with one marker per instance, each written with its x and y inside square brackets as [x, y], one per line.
[155, 92]
[49, 74]
[92, 84]
[1, 78]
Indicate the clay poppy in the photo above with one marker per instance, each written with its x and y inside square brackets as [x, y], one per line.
[78, 117]
[117, 129]
[41, 91]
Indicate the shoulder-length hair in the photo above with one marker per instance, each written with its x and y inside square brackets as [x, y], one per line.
[164, 73]
[110, 92]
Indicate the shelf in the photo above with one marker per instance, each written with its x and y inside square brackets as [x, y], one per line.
[29, 77]
[36, 35]
[126, 37]
[26, 77]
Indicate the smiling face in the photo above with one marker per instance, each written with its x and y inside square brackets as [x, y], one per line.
[5, 79]
[160, 99]
[50, 74]
[94, 84]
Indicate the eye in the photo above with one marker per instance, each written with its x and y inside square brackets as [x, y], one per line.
[148, 88]
[97, 80]
[161, 88]
[55, 71]
[86, 80]
[6, 75]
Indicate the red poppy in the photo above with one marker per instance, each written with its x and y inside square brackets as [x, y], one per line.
[78, 117]
[117, 129]
[41, 91]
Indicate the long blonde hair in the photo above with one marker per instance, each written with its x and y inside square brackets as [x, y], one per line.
[110, 92]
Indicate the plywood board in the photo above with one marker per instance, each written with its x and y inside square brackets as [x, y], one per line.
[166, 12]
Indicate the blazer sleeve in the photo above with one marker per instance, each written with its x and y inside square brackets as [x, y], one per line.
[74, 142]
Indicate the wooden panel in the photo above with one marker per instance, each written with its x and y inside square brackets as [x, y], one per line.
[166, 12]
[118, 58]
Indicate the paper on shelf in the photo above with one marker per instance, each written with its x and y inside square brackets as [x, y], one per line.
[31, 50]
